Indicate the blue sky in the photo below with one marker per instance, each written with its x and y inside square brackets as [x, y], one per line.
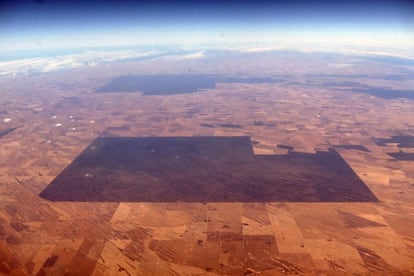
[31, 25]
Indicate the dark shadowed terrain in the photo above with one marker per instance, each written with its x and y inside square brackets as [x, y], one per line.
[203, 169]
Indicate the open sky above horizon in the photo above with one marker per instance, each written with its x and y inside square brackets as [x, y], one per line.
[31, 25]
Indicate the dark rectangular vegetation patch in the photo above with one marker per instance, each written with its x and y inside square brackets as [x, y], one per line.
[159, 84]
[203, 169]
[164, 84]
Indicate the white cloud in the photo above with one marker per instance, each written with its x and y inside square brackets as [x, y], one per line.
[195, 55]
[96, 58]
[48, 64]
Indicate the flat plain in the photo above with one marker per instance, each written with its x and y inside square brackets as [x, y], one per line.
[320, 105]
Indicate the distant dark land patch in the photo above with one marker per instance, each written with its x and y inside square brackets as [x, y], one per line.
[228, 125]
[203, 169]
[341, 84]
[284, 147]
[225, 125]
[402, 156]
[4, 132]
[352, 147]
[263, 124]
[384, 93]
[173, 84]
[402, 141]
